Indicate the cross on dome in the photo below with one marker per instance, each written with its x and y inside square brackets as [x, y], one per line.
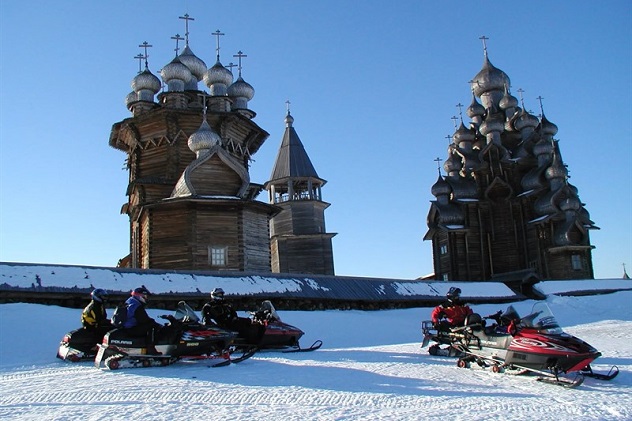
[218, 34]
[186, 18]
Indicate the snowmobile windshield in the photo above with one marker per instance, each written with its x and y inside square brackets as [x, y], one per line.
[542, 319]
[185, 313]
[509, 315]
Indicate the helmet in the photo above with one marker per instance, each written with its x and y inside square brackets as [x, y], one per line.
[454, 293]
[217, 294]
[141, 293]
[99, 295]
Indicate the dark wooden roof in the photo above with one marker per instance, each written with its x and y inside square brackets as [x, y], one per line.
[292, 161]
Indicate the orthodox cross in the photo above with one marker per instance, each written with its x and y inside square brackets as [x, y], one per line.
[449, 137]
[438, 161]
[287, 106]
[460, 107]
[186, 26]
[230, 66]
[239, 55]
[541, 108]
[218, 34]
[177, 38]
[520, 91]
[203, 96]
[146, 45]
[454, 118]
[140, 58]
[484, 39]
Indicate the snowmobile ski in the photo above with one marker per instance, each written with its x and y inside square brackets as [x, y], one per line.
[588, 372]
[313, 347]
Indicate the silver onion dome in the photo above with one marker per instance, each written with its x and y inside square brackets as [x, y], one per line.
[175, 75]
[508, 101]
[204, 138]
[525, 120]
[546, 127]
[489, 78]
[196, 66]
[441, 188]
[543, 147]
[130, 98]
[241, 90]
[146, 85]
[463, 135]
[570, 203]
[475, 108]
[491, 124]
[218, 78]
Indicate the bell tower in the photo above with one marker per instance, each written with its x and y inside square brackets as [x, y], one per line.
[299, 242]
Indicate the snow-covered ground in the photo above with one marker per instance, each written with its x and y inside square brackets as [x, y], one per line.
[370, 367]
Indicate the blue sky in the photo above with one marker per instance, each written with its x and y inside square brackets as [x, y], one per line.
[372, 84]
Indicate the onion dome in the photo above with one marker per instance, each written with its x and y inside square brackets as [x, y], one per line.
[546, 127]
[475, 109]
[489, 78]
[556, 170]
[289, 120]
[441, 188]
[508, 101]
[218, 78]
[242, 92]
[453, 164]
[571, 203]
[543, 147]
[463, 135]
[175, 75]
[146, 85]
[204, 138]
[525, 120]
[131, 98]
[492, 124]
[196, 66]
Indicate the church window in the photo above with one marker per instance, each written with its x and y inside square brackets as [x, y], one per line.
[576, 262]
[445, 277]
[217, 255]
[444, 249]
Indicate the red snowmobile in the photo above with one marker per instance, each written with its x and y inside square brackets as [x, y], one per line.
[183, 338]
[277, 334]
[531, 344]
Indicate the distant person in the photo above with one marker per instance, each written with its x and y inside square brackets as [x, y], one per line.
[452, 312]
[219, 312]
[138, 322]
[94, 316]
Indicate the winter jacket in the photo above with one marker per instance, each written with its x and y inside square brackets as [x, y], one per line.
[137, 315]
[218, 312]
[454, 312]
[94, 316]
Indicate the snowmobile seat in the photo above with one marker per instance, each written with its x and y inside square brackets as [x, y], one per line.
[122, 337]
[474, 321]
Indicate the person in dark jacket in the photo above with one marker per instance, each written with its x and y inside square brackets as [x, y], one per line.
[138, 322]
[222, 314]
[94, 316]
[452, 312]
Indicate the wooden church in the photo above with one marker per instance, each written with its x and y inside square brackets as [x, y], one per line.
[505, 209]
[191, 202]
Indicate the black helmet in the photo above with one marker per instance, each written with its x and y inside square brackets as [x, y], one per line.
[99, 295]
[217, 294]
[141, 293]
[453, 294]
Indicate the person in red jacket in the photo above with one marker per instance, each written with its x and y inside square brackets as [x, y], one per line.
[452, 312]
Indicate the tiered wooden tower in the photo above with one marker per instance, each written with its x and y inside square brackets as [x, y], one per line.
[299, 241]
[505, 210]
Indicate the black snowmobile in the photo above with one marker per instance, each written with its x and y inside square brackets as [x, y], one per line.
[182, 338]
[531, 344]
[80, 344]
[278, 335]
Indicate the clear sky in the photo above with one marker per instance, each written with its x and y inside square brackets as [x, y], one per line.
[372, 84]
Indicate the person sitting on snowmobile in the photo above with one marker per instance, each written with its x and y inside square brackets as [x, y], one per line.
[138, 322]
[222, 314]
[94, 317]
[454, 311]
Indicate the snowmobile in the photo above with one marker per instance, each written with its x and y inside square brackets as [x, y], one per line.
[531, 344]
[80, 344]
[182, 338]
[277, 335]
